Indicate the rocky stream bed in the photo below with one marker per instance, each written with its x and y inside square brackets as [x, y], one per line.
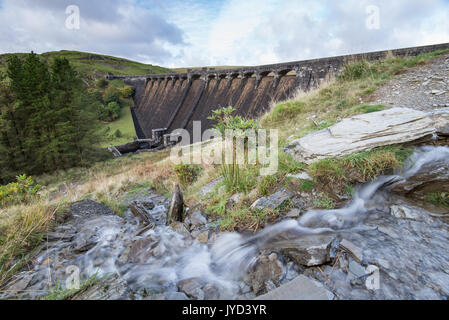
[381, 245]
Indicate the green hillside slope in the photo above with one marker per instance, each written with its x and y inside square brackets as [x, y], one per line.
[94, 66]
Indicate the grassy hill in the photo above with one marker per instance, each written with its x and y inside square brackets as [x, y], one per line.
[94, 66]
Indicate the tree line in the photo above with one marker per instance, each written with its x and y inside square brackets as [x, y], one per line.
[46, 118]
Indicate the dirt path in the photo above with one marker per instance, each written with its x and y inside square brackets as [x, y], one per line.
[425, 87]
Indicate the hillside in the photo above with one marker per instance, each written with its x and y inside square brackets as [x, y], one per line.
[94, 66]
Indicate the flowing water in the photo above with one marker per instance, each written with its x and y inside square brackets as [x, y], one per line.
[158, 259]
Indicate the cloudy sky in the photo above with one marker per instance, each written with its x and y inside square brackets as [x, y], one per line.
[178, 33]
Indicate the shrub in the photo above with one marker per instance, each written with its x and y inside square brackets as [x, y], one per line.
[111, 112]
[127, 92]
[112, 94]
[22, 191]
[226, 121]
[324, 203]
[187, 173]
[355, 71]
[102, 83]
[118, 133]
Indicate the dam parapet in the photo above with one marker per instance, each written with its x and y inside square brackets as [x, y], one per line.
[175, 100]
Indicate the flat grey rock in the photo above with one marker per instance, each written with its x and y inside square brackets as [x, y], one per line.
[363, 132]
[301, 288]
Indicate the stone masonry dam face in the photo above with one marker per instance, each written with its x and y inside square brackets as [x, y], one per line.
[173, 101]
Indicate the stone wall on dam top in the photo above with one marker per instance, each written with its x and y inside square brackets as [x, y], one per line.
[173, 101]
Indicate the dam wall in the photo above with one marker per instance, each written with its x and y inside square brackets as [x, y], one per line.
[173, 101]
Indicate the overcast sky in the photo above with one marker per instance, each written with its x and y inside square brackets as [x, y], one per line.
[178, 33]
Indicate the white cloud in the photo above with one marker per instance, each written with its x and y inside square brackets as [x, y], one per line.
[222, 32]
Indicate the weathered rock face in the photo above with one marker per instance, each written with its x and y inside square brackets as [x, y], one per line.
[308, 251]
[267, 272]
[112, 288]
[176, 211]
[363, 132]
[274, 201]
[301, 288]
[429, 176]
[144, 211]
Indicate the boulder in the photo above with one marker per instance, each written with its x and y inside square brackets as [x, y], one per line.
[211, 292]
[406, 211]
[176, 211]
[207, 189]
[268, 269]
[431, 176]
[352, 249]
[192, 288]
[308, 251]
[441, 122]
[301, 288]
[293, 213]
[197, 219]
[274, 201]
[363, 132]
[147, 214]
[112, 288]
[236, 198]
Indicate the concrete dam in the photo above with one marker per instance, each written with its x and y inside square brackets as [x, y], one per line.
[166, 102]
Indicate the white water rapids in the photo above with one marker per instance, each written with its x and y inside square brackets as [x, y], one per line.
[158, 259]
[232, 254]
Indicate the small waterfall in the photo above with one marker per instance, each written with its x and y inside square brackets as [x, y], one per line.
[158, 259]
[232, 254]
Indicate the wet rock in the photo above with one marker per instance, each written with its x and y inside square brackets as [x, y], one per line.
[294, 213]
[192, 288]
[309, 251]
[83, 245]
[176, 211]
[246, 296]
[141, 250]
[89, 207]
[180, 228]
[301, 288]
[267, 269]
[197, 219]
[112, 288]
[203, 237]
[211, 292]
[274, 201]
[363, 132]
[355, 270]
[58, 236]
[148, 214]
[404, 211]
[352, 249]
[432, 176]
[16, 286]
[175, 296]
